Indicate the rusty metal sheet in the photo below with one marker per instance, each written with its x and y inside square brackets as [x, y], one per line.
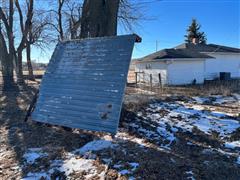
[84, 84]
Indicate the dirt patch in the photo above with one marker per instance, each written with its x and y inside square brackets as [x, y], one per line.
[162, 138]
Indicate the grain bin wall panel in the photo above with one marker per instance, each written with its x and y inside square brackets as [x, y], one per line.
[84, 84]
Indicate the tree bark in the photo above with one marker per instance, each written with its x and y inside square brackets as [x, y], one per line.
[29, 63]
[10, 35]
[7, 56]
[25, 28]
[7, 64]
[60, 28]
[20, 79]
[99, 18]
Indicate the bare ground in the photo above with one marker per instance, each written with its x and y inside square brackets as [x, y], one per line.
[143, 148]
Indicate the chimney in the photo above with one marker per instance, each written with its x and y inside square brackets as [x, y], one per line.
[195, 41]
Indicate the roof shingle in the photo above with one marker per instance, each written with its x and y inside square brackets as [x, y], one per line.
[207, 48]
[174, 54]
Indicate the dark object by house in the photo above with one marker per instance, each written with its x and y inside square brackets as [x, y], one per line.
[225, 76]
[83, 86]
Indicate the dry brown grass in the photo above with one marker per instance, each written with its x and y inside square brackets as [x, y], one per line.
[36, 72]
[17, 136]
[224, 88]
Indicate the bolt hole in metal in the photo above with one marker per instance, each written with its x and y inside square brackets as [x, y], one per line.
[104, 115]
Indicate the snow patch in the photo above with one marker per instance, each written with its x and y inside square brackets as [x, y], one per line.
[96, 145]
[187, 118]
[70, 163]
[37, 175]
[33, 154]
[124, 171]
[200, 100]
[237, 97]
[224, 100]
[134, 165]
[238, 160]
[232, 145]
[67, 166]
[217, 99]
[190, 173]
[74, 164]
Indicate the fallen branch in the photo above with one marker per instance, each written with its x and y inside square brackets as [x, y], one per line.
[31, 106]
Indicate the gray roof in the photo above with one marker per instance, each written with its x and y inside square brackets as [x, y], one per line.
[207, 48]
[84, 83]
[174, 54]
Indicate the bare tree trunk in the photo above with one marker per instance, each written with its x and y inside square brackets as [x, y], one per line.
[25, 29]
[99, 18]
[29, 63]
[7, 64]
[10, 33]
[7, 72]
[20, 79]
[112, 8]
[7, 57]
[60, 28]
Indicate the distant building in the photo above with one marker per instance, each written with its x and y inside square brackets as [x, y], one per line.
[226, 59]
[188, 63]
[131, 73]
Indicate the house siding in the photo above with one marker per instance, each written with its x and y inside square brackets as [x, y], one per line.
[184, 72]
[146, 69]
[172, 72]
[222, 63]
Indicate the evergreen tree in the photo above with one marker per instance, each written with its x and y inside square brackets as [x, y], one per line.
[193, 31]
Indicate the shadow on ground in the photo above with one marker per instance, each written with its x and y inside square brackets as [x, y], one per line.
[17, 136]
[179, 162]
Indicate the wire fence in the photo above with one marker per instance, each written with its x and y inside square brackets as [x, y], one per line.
[154, 84]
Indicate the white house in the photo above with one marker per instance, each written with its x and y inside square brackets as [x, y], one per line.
[226, 59]
[188, 63]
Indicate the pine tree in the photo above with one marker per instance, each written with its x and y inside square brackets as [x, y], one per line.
[193, 31]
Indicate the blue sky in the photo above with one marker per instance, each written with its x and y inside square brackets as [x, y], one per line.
[220, 20]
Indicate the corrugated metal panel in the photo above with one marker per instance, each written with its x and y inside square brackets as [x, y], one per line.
[84, 84]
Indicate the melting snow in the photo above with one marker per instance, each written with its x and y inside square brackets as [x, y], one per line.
[33, 154]
[74, 164]
[134, 165]
[117, 166]
[200, 100]
[160, 121]
[238, 160]
[162, 130]
[190, 173]
[124, 171]
[71, 163]
[67, 166]
[218, 100]
[223, 100]
[237, 96]
[187, 118]
[37, 175]
[96, 145]
[232, 145]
